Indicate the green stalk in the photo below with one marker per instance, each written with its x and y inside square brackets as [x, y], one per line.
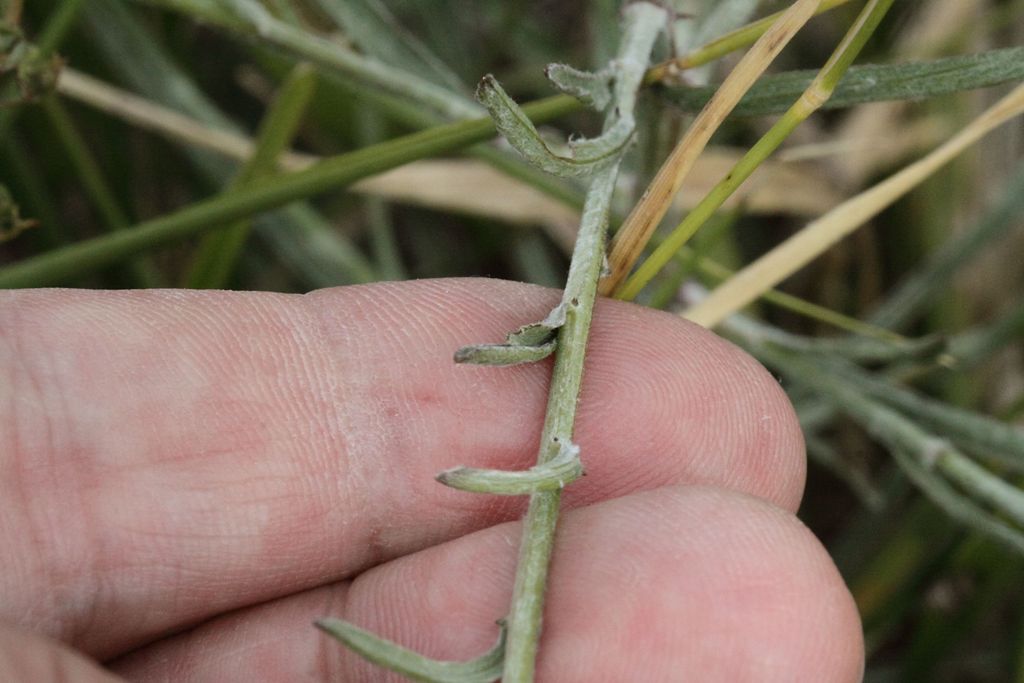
[558, 458]
[219, 251]
[61, 264]
[524, 618]
[813, 98]
[94, 183]
[383, 244]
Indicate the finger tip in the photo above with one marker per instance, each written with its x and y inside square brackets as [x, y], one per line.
[660, 387]
[729, 585]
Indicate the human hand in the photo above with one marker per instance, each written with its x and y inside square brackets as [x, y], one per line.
[190, 479]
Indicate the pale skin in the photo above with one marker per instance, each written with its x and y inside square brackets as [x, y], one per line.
[188, 480]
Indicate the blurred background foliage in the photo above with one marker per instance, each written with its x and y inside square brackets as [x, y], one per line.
[931, 548]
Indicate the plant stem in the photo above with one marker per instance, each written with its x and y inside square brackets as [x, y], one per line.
[539, 526]
[642, 23]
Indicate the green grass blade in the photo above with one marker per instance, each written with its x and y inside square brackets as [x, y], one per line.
[935, 276]
[138, 273]
[818, 91]
[315, 253]
[331, 174]
[218, 252]
[371, 26]
[872, 83]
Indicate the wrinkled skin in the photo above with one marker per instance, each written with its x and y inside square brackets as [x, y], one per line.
[190, 479]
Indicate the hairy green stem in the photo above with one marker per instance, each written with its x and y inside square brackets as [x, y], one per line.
[642, 24]
[539, 526]
[558, 458]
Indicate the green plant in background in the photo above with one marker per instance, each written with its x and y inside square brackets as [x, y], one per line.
[943, 483]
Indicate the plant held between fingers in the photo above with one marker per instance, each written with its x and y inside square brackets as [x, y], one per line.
[564, 331]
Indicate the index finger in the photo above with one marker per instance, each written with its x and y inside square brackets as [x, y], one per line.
[173, 455]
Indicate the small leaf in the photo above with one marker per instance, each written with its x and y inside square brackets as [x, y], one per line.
[592, 89]
[589, 156]
[539, 332]
[500, 355]
[388, 654]
[871, 83]
[552, 475]
[528, 344]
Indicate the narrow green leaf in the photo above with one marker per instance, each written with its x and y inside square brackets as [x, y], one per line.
[388, 654]
[372, 26]
[552, 475]
[305, 243]
[871, 83]
[592, 89]
[218, 251]
[589, 156]
[935, 275]
[330, 174]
